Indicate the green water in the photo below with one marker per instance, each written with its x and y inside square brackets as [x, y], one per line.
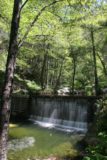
[47, 142]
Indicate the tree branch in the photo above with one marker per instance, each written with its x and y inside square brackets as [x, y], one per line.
[103, 64]
[23, 5]
[35, 20]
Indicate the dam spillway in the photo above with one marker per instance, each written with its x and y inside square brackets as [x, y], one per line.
[70, 114]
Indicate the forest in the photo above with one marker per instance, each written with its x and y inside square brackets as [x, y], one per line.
[54, 48]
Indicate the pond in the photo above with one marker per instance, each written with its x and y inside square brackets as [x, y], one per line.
[47, 142]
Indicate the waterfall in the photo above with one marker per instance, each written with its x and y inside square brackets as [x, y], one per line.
[61, 113]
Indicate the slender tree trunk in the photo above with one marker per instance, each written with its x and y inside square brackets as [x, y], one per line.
[59, 77]
[7, 89]
[74, 72]
[43, 71]
[95, 64]
[47, 74]
[55, 72]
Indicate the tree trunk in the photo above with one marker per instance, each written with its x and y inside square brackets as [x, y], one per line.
[74, 72]
[59, 77]
[95, 64]
[42, 77]
[47, 74]
[7, 89]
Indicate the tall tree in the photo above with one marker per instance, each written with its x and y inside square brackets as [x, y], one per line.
[57, 84]
[74, 60]
[7, 89]
[95, 63]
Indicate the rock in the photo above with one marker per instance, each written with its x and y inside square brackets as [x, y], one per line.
[19, 144]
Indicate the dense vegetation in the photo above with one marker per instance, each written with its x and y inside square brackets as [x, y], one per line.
[59, 49]
[61, 44]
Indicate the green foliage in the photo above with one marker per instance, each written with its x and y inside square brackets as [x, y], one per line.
[98, 151]
[3, 61]
[62, 31]
[60, 35]
[24, 85]
[32, 85]
[102, 115]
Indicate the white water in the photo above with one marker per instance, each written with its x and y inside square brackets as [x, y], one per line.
[69, 116]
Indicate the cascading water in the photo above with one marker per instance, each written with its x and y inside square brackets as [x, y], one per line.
[63, 114]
